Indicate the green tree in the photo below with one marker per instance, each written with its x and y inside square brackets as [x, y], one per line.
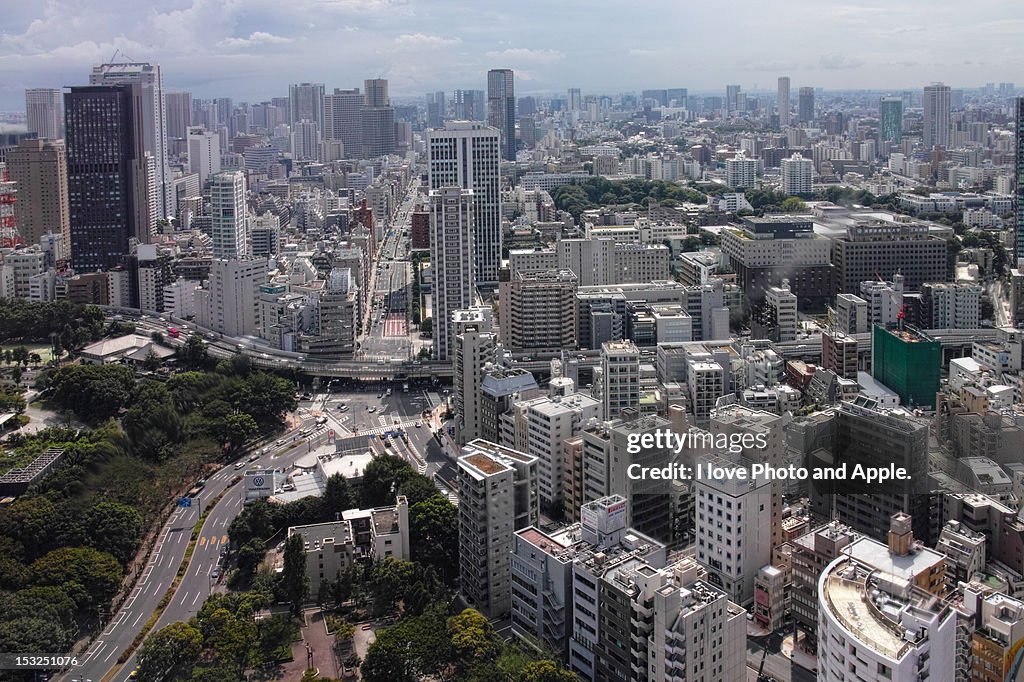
[338, 496]
[249, 557]
[546, 671]
[391, 579]
[37, 619]
[294, 580]
[418, 488]
[231, 637]
[115, 528]
[89, 576]
[427, 325]
[93, 392]
[473, 639]
[793, 205]
[434, 536]
[193, 353]
[171, 652]
[381, 480]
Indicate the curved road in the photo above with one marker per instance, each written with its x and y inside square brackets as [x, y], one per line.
[163, 565]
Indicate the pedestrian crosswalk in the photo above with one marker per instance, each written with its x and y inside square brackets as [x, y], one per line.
[388, 427]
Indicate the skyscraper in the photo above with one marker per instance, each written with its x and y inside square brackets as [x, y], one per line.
[469, 105]
[467, 155]
[306, 103]
[110, 178]
[150, 118]
[179, 114]
[227, 214]
[378, 119]
[44, 113]
[343, 120]
[203, 152]
[501, 109]
[1019, 162]
[936, 103]
[575, 99]
[890, 114]
[805, 105]
[783, 101]
[732, 93]
[40, 169]
[451, 257]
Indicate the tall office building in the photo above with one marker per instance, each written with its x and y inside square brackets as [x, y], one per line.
[467, 154]
[501, 109]
[343, 120]
[378, 120]
[150, 118]
[498, 496]
[306, 140]
[732, 93]
[936, 126]
[783, 101]
[306, 103]
[890, 114]
[575, 99]
[451, 257]
[39, 167]
[437, 109]
[797, 175]
[805, 105]
[227, 213]
[203, 153]
[111, 195]
[44, 113]
[1019, 162]
[179, 114]
[469, 105]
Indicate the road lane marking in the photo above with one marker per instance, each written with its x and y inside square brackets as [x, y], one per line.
[141, 614]
[198, 594]
[202, 540]
[223, 539]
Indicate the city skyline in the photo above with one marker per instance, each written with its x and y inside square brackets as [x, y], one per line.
[422, 47]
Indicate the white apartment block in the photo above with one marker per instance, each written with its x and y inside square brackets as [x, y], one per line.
[230, 302]
[452, 260]
[497, 496]
[203, 153]
[474, 350]
[797, 175]
[620, 377]
[781, 304]
[741, 172]
[734, 531]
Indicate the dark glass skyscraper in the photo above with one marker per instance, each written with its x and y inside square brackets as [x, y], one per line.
[890, 114]
[111, 193]
[501, 109]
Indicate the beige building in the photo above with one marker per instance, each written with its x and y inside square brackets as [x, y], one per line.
[40, 169]
[538, 311]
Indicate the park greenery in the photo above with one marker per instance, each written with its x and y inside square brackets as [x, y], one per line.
[130, 445]
[596, 192]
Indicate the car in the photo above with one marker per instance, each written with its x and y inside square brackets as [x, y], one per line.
[343, 408]
[133, 675]
[239, 465]
[379, 396]
[388, 392]
[253, 458]
[216, 573]
[371, 409]
[418, 425]
[280, 442]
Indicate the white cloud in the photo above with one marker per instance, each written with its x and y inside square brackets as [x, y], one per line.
[527, 56]
[424, 40]
[838, 62]
[255, 38]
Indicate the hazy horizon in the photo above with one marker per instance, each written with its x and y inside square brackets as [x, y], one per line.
[252, 50]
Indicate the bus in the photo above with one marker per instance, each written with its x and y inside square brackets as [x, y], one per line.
[173, 332]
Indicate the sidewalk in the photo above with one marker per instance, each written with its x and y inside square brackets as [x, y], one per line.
[799, 656]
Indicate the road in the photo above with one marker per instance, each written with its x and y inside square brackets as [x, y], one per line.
[422, 451]
[776, 665]
[163, 565]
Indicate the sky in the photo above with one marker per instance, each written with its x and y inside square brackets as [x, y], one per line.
[251, 49]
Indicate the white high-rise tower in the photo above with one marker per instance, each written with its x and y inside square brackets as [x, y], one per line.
[467, 154]
[451, 257]
[227, 209]
[783, 102]
[44, 113]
